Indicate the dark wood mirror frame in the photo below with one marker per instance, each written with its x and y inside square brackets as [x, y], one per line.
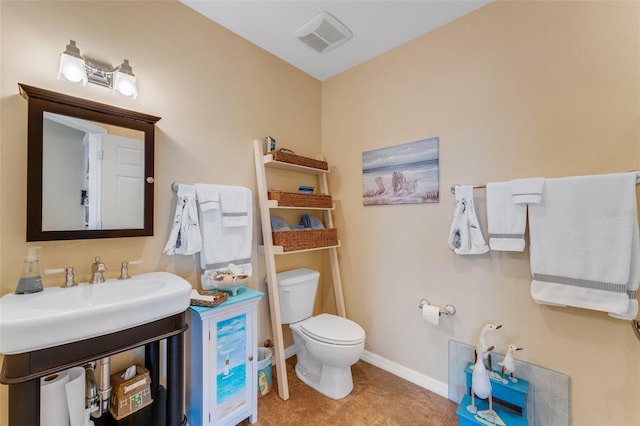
[39, 101]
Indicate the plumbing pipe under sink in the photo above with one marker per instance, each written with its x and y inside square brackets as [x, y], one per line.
[103, 382]
[98, 386]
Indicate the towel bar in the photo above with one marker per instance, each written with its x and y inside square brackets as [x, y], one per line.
[453, 187]
[175, 186]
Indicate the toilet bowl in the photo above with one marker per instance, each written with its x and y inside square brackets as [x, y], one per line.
[326, 345]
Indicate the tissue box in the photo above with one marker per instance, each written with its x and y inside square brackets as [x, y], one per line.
[129, 396]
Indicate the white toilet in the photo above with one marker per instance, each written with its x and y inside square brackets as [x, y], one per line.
[326, 345]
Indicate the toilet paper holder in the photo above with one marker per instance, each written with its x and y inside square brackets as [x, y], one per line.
[447, 310]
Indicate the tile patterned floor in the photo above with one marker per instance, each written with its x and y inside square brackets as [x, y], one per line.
[378, 398]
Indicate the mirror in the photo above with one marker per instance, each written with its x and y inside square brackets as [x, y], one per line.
[89, 169]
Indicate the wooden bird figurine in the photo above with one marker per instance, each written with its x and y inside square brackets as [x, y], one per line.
[482, 340]
[480, 383]
[509, 364]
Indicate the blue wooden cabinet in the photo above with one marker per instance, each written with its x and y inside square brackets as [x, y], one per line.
[222, 367]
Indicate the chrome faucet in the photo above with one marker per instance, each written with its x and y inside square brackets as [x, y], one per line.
[69, 279]
[124, 269]
[97, 271]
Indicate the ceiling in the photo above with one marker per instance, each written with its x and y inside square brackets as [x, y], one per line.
[377, 26]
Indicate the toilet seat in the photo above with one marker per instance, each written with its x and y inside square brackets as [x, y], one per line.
[333, 329]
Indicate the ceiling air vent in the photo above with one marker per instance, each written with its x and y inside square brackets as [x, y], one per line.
[323, 33]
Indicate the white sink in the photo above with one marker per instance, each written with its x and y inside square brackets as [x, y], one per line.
[57, 315]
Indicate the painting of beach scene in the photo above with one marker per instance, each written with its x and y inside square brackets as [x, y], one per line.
[231, 368]
[401, 174]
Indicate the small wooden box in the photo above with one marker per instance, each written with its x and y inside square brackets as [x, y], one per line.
[129, 396]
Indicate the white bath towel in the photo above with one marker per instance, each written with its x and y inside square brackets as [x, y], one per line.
[185, 235]
[527, 191]
[506, 221]
[208, 196]
[465, 235]
[223, 245]
[234, 205]
[582, 235]
[634, 279]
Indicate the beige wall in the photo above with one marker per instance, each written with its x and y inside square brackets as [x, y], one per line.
[515, 89]
[214, 91]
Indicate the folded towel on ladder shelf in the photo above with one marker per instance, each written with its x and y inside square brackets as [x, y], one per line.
[185, 235]
[506, 221]
[584, 244]
[223, 244]
[465, 235]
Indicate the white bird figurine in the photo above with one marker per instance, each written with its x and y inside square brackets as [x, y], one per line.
[480, 383]
[482, 340]
[508, 363]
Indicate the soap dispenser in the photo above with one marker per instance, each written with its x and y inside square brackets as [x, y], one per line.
[30, 280]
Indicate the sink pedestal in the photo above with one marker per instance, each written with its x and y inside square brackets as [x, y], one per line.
[22, 372]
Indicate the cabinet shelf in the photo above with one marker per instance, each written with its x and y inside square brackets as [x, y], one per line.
[273, 204]
[270, 162]
[280, 249]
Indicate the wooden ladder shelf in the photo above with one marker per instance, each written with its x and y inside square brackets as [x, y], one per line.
[264, 161]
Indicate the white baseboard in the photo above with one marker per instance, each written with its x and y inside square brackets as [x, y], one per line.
[289, 351]
[422, 380]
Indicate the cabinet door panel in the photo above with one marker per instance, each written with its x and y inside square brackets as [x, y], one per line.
[231, 365]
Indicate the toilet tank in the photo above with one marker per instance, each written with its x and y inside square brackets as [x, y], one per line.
[297, 293]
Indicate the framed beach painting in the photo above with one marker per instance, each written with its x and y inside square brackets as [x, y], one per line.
[402, 174]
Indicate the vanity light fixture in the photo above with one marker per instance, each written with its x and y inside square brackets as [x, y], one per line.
[78, 69]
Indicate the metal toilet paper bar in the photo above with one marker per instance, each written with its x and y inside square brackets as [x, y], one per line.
[447, 310]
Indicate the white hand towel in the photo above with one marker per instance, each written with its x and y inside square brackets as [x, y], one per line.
[465, 235]
[234, 204]
[208, 196]
[581, 242]
[527, 191]
[223, 245]
[185, 237]
[506, 221]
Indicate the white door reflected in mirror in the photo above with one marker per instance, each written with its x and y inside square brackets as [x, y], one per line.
[93, 175]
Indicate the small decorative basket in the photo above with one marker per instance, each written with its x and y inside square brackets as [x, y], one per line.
[305, 239]
[218, 298]
[287, 156]
[293, 199]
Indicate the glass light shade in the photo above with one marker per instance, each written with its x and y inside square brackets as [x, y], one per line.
[72, 69]
[125, 85]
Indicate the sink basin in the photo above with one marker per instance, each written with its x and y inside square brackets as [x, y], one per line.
[57, 315]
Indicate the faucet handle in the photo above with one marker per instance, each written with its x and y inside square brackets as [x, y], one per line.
[69, 278]
[124, 270]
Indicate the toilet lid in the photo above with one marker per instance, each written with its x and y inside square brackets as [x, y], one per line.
[333, 329]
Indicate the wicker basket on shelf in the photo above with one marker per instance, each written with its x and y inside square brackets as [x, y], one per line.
[287, 156]
[294, 199]
[306, 239]
[218, 298]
